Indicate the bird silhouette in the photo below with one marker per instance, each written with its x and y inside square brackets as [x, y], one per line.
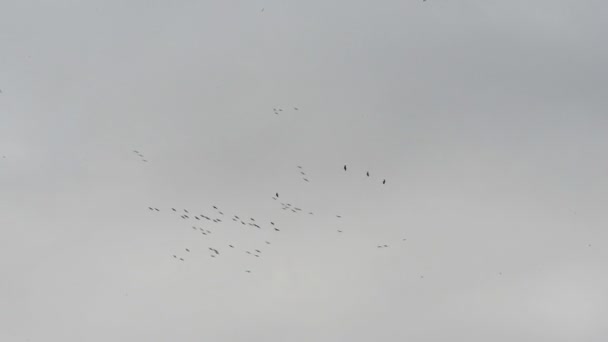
[187, 250]
[368, 174]
[344, 167]
[384, 181]
[277, 195]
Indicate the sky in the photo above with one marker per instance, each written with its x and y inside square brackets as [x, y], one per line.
[487, 119]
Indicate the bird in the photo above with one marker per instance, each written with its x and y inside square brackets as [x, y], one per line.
[187, 250]
[295, 108]
[338, 216]
[214, 207]
[186, 211]
[173, 209]
[257, 250]
[231, 246]
[344, 167]
[339, 231]
[384, 181]
[306, 179]
[248, 271]
[182, 259]
[277, 195]
[277, 229]
[150, 208]
[268, 243]
[272, 223]
[367, 173]
[174, 256]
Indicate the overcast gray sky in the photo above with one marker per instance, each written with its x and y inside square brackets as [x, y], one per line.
[488, 119]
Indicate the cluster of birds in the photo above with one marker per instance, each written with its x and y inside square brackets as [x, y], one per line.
[143, 159]
[278, 110]
[204, 222]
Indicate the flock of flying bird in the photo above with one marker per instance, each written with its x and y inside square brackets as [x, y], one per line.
[204, 223]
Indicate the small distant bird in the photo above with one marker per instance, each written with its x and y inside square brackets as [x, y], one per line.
[156, 209]
[339, 231]
[384, 181]
[231, 246]
[150, 208]
[295, 108]
[344, 167]
[214, 207]
[272, 223]
[277, 195]
[186, 211]
[306, 179]
[248, 271]
[182, 259]
[368, 174]
[277, 229]
[174, 256]
[268, 243]
[248, 252]
[338, 216]
[173, 209]
[299, 167]
[257, 250]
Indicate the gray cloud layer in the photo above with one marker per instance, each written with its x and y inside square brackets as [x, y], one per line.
[487, 118]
